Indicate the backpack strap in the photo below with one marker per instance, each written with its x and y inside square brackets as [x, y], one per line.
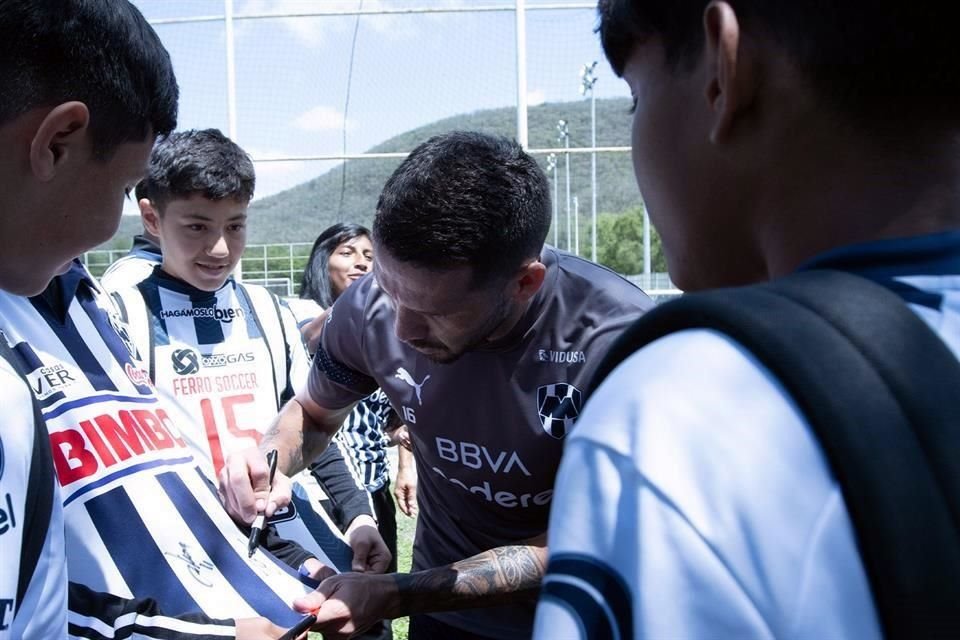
[266, 315]
[40, 489]
[880, 391]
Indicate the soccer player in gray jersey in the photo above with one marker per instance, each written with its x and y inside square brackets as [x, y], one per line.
[484, 340]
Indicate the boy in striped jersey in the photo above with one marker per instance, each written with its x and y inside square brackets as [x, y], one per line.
[142, 521]
[226, 354]
[78, 116]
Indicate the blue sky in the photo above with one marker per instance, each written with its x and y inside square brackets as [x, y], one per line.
[409, 69]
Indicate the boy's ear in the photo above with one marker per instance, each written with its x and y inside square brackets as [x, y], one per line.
[62, 135]
[149, 216]
[732, 82]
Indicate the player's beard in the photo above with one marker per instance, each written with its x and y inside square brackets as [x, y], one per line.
[443, 354]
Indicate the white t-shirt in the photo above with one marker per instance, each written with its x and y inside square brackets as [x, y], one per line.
[694, 501]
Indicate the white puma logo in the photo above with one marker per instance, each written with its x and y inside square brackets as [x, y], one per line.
[404, 375]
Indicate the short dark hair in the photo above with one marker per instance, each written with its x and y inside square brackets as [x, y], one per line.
[315, 284]
[874, 59]
[99, 52]
[465, 199]
[198, 162]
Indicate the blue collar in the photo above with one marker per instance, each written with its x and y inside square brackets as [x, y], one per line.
[929, 255]
[885, 261]
[63, 289]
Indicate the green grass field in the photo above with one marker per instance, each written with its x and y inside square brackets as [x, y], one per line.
[405, 529]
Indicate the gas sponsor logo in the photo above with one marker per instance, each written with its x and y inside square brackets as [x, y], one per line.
[109, 439]
[215, 360]
[212, 313]
[187, 361]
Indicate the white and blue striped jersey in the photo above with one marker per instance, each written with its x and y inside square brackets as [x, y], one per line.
[41, 610]
[363, 436]
[142, 519]
[694, 499]
[228, 360]
[134, 267]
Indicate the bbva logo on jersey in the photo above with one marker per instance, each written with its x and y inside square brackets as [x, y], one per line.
[558, 405]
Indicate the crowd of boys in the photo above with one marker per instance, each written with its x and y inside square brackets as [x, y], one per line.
[689, 497]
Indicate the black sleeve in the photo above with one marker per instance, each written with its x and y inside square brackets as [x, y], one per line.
[95, 615]
[342, 485]
[286, 551]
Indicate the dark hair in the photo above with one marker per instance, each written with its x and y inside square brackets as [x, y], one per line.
[99, 52]
[874, 59]
[315, 284]
[198, 161]
[465, 199]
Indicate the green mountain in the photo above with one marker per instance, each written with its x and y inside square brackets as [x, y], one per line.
[300, 213]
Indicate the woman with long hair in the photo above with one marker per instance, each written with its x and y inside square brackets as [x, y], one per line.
[340, 255]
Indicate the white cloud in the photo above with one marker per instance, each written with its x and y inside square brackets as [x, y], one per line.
[321, 118]
[535, 97]
[311, 32]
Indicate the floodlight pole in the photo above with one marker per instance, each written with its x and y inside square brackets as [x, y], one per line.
[576, 225]
[231, 94]
[563, 135]
[520, 10]
[552, 166]
[587, 81]
[646, 243]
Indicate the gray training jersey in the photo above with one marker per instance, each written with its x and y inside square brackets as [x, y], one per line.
[488, 429]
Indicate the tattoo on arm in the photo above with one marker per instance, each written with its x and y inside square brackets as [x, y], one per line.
[500, 576]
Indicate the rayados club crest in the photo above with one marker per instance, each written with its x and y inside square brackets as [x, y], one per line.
[558, 405]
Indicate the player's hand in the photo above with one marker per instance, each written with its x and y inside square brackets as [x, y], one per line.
[245, 486]
[258, 629]
[370, 553]
[405, 490]
[349, 603]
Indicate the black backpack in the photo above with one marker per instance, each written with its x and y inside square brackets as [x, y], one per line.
[882, 393]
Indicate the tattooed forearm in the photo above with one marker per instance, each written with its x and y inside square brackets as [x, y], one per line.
[299, 437]
[499, 576]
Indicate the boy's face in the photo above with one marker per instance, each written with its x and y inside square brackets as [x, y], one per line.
[202, 240]
[77, 211]
[667, 141]
[700, 154]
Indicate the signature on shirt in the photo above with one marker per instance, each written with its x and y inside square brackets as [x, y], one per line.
[193, 566]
